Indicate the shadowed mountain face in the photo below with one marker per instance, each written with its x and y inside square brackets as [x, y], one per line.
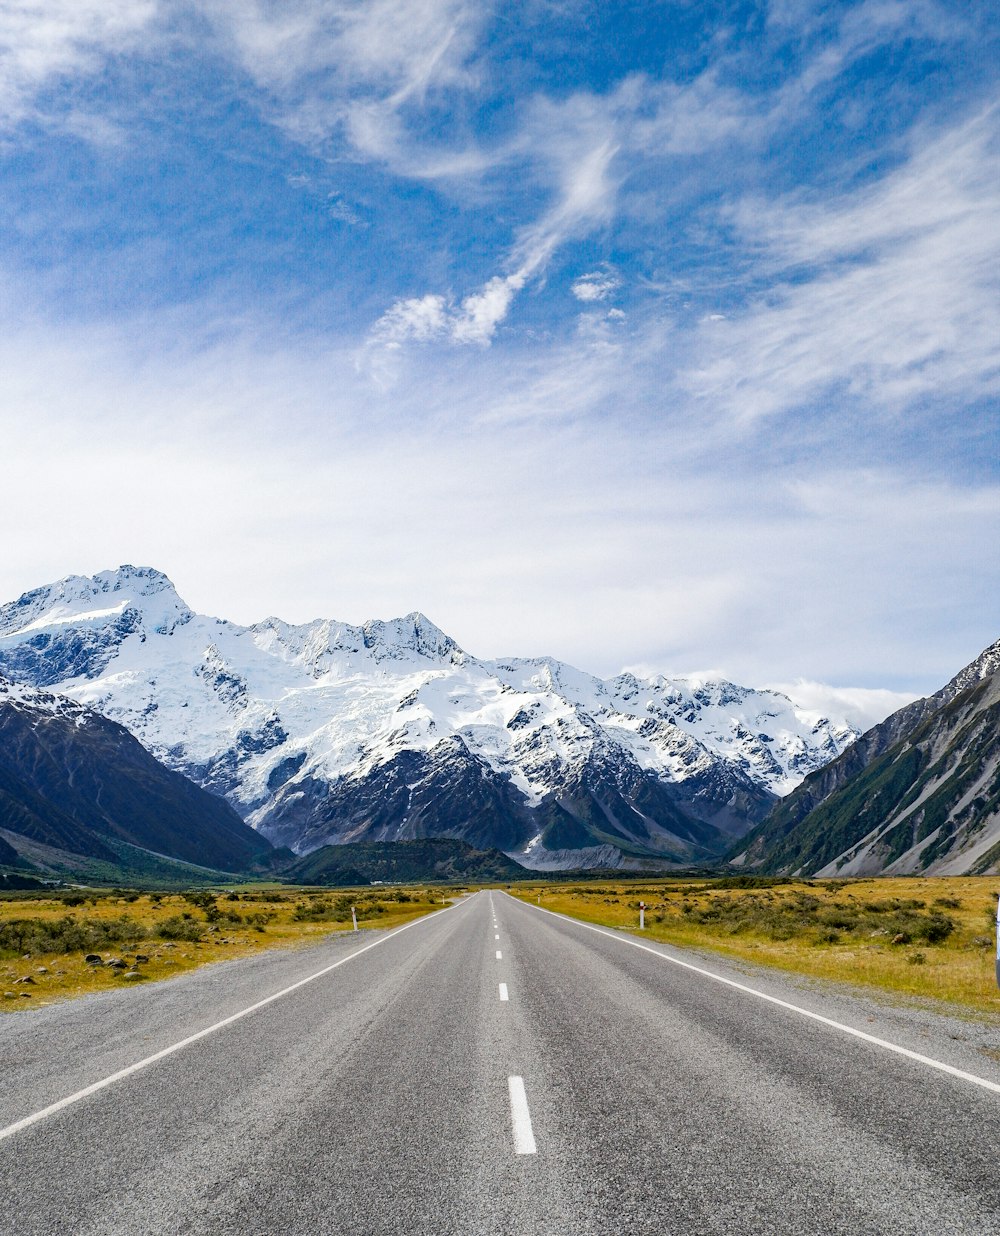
[73, 780]
[918, 793]
[7, 852]
[328, 732]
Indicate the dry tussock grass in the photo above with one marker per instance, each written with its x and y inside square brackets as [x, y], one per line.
[921, 936]
[44, 941]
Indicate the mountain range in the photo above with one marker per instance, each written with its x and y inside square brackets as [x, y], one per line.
[327, 732]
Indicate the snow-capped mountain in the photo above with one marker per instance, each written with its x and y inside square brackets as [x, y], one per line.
[330, 732]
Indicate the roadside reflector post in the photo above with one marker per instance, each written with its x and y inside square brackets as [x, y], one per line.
[354, 917]
[998, 942]
[642, 916]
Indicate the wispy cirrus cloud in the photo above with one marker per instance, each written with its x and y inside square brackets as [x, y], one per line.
[889, 294]
[358, 71]
[42, 41]
[582, 148]
[585, 196]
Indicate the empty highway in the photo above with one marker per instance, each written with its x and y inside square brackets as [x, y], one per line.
[493, 1068]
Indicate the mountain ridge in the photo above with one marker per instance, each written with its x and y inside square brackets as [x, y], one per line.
[920, 792]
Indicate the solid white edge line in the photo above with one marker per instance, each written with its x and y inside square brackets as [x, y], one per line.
[524, 1138]
[929, 1061]
[58, 1106]
[503, 992]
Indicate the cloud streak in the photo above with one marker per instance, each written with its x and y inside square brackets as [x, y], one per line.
[585, 197]
[43, 41]
[888, 295]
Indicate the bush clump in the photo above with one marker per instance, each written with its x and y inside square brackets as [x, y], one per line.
[179, 927]
[802, 914]
[69, 934]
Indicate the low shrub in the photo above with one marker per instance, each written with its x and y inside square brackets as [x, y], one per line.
[179, 927]
[802, 914]
[69, 934]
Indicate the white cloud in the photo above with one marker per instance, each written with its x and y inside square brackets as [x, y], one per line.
[419, 317]
[354, 67]
[596, 286]
[422, 319]
[890, 294]
[483, 312]
[45, 40]
[585, 197]
[861, 706]
[395, 48]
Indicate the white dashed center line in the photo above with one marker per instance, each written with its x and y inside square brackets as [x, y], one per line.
[499, 955]
[524, 1139]
[503, 992]
[496, 937]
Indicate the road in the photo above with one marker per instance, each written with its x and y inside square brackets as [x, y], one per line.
[382, 1096]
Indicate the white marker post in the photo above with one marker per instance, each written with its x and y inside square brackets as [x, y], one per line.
[642, 916]
[354, 917]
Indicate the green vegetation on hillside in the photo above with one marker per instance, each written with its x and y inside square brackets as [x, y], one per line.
[400, 862]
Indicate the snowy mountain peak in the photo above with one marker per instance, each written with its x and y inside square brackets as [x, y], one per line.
[81, 598]
[414, 633]
[984, 666]
[75, 626]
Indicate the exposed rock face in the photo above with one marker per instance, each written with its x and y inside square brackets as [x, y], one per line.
[918, 793]
[328, 732]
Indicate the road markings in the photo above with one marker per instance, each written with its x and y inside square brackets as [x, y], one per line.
[496, 937]
[931, 1063]
[499, 955]
[51, 1110]
[503, 992]
[524, 1139]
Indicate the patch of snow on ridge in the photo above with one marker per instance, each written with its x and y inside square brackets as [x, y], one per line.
[37, 700]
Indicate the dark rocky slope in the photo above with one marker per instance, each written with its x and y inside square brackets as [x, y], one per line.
[919, 792]
[75, 781]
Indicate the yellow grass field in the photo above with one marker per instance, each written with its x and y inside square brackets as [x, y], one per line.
[927, 937]
[43, 940]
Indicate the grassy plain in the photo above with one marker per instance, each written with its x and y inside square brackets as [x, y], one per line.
[928, 937]
[44, 940]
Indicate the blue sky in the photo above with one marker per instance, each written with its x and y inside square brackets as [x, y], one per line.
[651, 334]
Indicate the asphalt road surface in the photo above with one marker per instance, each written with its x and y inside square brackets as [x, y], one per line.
[493, 1069]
